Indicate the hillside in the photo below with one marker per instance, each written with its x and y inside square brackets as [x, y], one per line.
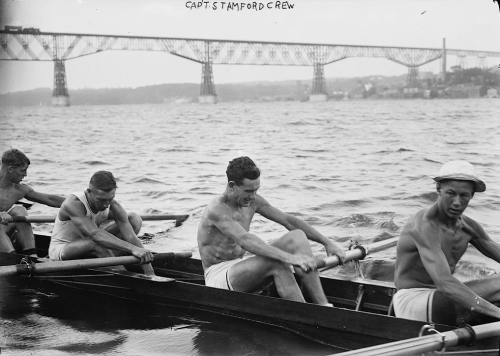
[460, 83]
[187, 92]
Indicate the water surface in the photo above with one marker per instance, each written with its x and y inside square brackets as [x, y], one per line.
[352, 169]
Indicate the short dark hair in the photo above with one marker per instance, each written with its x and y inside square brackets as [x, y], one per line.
[444, 181]
[14, 157]
[103, 180]
[241, 168]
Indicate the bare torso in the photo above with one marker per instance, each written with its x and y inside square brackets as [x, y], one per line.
[410, 271]
[12, 194]
[214, 246]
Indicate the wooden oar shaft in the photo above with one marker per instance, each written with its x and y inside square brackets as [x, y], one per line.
[356, 253]
[428, 343]
[61, 266]
[52, 218]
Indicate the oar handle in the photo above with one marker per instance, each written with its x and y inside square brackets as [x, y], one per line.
[61, 266]
[167, 256]
[179, 219]
[359, 252]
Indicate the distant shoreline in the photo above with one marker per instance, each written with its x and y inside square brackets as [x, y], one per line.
[360, 88]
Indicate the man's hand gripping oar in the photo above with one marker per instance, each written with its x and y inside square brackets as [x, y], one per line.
[359, 252]
[310, 263]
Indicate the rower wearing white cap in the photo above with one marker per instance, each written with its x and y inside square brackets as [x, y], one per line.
[429, 248]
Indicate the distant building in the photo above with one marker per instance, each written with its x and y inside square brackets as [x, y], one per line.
[463, 91]
[391, 93]
[492, 93]
[411, 90]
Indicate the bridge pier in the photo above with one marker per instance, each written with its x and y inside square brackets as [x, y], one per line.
[207, 92]
[412, 80]
[443, 62]
[318, 90]
[60, 96]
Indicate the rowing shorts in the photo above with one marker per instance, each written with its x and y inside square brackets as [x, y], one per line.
[55, 250]
[414, 303]
[217, 275]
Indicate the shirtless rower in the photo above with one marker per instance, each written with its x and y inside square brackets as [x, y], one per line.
[14, 169]
[429, 248]
[93, 224]
[224, 237]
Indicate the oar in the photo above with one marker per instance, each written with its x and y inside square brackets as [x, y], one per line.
[60, 266]
[357, 253]
[434, 342]
[179, 219]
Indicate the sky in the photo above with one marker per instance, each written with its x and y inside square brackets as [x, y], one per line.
[466, 24]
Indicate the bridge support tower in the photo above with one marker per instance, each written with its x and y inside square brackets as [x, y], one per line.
[443, 62]
[60, 96]
[318, 90]
[412, 80]
[207, 92]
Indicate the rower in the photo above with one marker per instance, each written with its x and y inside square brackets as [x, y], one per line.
[93, 224]
[18, 234]
[429, 248]
[225, 241]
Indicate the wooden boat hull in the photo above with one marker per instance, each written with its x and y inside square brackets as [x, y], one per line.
[361, 316]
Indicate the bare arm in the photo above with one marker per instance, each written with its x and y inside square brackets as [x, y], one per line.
[428, 241]
[119, 214]
[222, 218]
[291, 222]
[75, 210]
[481, 240]
[127, 231]
[47, 199]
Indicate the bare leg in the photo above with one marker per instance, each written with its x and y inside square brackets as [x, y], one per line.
[250, 274]
[86, 248]
[296, 242]
[25, 236]
[5, 242]
[136, 222]
[133, 218]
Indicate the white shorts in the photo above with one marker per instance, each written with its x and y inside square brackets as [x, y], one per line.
[414, 303]
[217, 275]
[55, 250]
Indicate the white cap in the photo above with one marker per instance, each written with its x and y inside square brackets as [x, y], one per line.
[460, 170]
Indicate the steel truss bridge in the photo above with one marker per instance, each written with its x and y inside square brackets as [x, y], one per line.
[33, 45]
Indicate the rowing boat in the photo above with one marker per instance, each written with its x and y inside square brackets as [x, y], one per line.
[362, 315]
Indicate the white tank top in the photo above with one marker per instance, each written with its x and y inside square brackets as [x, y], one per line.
[66, 231]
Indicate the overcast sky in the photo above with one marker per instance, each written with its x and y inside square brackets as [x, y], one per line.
[466, 24]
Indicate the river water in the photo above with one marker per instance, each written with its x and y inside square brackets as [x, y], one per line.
[352, 169]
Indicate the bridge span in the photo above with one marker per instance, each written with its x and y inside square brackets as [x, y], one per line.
[33, 45]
